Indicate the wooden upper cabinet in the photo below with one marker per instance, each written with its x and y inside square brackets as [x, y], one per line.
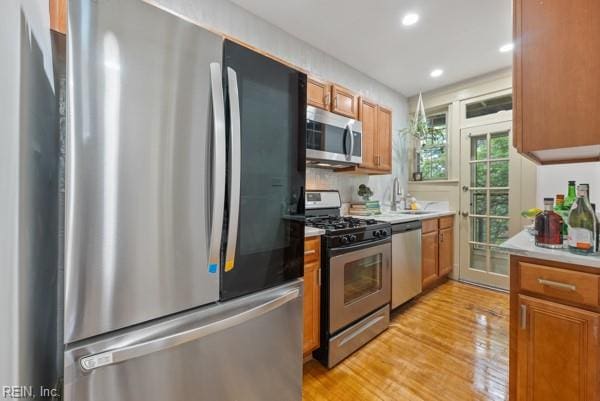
[368, 116]
[58, 15]
[318, 94]
[558, 352]
[344, 102]
[384, 139]
[557, 80]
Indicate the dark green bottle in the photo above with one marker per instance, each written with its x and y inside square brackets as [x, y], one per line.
[571, 196]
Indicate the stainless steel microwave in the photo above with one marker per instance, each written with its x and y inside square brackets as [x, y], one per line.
[332, 140]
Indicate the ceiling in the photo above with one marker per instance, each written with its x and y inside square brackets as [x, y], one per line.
[462, 37]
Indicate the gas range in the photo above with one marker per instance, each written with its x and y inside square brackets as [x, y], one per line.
[341, 230]
[356, 272]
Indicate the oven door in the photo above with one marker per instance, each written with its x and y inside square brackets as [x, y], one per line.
[359, 282]
[332, 138]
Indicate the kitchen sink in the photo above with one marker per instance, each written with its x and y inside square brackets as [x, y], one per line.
[417, 212]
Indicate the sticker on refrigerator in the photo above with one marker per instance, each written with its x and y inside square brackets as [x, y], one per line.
[212, 268]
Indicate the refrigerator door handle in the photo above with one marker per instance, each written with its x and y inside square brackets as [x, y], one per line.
[236, 161]
[91, 362]
[218, 167]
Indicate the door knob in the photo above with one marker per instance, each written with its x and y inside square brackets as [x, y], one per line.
[465, 214]
[465, 188]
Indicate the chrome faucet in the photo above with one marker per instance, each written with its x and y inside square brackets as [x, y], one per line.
[395, 190]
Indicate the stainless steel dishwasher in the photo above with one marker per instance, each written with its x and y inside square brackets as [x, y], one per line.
[406, 262]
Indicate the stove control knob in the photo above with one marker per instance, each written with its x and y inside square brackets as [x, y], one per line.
[376, 234]
[345, 239]
[352, 238]
[383, 233]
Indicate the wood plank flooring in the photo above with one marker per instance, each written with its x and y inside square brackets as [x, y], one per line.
[449, 345]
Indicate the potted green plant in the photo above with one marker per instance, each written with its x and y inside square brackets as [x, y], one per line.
[365, 192]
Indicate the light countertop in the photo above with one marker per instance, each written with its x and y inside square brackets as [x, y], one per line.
[313, 232]
[523, 244]
[395, 217]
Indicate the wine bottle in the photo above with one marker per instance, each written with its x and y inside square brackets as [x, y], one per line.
[583, 225]
[571, 196]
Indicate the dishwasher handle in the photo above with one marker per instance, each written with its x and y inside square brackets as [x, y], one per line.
[406, 227]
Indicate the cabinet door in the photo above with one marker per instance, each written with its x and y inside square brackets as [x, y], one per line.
[312, 297]
[429, 258]
[556, 78]
[557, 352]
[384, 139]
[368, 116]
[58, 15]
[318, 94]
[446, 251]
[344, 102]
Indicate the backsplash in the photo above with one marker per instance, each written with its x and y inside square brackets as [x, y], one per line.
[347, 184]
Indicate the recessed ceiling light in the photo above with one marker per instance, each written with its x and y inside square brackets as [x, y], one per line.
[410, 19]
[436, 73]
[507, 48]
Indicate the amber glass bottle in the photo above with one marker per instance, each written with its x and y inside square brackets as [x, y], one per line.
[549, 227]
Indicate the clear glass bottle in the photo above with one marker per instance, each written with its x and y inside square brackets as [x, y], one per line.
[571, 195]
[583, 225]
[549, 227]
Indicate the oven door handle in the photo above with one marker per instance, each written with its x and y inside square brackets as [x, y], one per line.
[352, 248]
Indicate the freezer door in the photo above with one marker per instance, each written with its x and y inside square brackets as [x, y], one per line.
[145, 166]
[246, 349]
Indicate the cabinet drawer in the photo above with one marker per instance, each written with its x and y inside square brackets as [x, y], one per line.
[561, 284]
[312, 248]
[446, 222]
[429, 226]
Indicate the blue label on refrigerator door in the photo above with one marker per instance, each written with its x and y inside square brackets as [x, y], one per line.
[212, 268]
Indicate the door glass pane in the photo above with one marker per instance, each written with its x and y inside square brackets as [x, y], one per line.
[498, 231]
[362, 277]
[499, 261]
[478, 257]
[499, 145]
[498, 203]
[479, 174]
[479, 147]
[499, 174]
[479, 229]
[478, 202]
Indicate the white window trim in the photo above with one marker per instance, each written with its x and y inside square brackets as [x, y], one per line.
[488, 119]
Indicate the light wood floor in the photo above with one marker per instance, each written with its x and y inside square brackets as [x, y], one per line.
[449, 345]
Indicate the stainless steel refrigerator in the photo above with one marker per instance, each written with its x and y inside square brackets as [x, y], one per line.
[185, 173]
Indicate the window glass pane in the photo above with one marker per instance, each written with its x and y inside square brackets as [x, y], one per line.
[479, 229]
[479, 174]
[479, 148]
[478, 202]
[478, 257]
[434, 162]
[498, 203]
[498, 231]
[499, 174]
[499, 145]
[499, 261]
[489, 106]
[362, 277]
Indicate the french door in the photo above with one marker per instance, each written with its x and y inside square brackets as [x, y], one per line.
[489, 202]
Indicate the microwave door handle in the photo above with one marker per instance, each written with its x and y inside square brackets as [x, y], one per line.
[351, 142]
[347, 148]
[236, 161]
[218, 166]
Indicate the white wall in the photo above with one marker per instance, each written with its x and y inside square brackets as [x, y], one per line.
[553, 179]
[228, 18]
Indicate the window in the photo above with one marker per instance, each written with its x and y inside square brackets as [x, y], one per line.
[489, 106]
[432, 157]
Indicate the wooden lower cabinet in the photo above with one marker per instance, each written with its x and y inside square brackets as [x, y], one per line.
[312, 294]
[437, 249]
[554, 350]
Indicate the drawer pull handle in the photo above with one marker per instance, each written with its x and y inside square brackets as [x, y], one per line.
[310, 252]
[556, 284]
